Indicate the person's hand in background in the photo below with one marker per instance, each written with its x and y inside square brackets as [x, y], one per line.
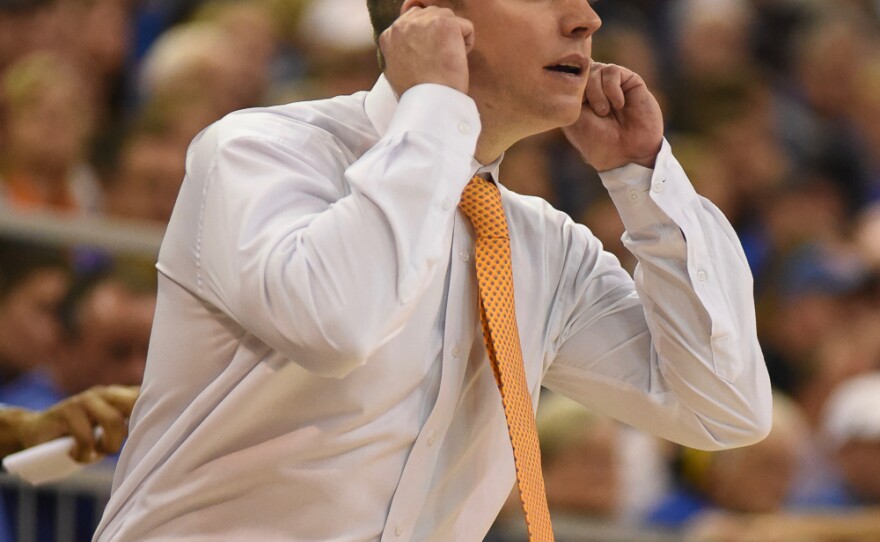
[77, 416]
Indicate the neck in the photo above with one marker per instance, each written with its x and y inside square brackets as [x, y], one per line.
[498, 133]
[489, 149]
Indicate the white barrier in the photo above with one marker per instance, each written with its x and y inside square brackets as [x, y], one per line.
[114, 235]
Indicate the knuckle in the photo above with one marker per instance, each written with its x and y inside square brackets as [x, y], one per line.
[115, 418]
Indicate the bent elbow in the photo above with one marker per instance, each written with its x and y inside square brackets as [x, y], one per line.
[760, 426]
[752, 427]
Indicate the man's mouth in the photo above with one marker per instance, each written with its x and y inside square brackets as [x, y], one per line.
[571, 69]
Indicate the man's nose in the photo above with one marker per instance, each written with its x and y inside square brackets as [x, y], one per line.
[579, 19]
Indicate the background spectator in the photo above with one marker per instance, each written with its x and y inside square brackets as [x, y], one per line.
[33, 282]
[106, 330]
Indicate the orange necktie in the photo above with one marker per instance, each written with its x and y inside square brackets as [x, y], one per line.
[481, 203]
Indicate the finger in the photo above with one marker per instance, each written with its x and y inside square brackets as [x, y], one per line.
[630, 81]
[122, 398]
[80, 428]
[596, 98]
[111, 421]
[611, 87]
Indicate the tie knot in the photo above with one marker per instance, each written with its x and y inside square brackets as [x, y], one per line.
[481, 203]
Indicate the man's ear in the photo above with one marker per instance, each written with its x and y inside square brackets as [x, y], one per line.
[409, 4]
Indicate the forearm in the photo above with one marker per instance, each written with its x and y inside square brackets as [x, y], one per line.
[12, 421]
[696, 289]
[675, 353]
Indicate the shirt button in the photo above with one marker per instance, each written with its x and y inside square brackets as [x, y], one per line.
[430, 440]
[398, 530]
[634, 196]
[456, 351]
[659, 186]
[702, 276]
[464, 128]
[446, 204]
[464, 256]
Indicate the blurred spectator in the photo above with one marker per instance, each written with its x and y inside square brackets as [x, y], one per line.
[107, 322]
[249, 27]
[807, 300]
[604, 222]
[817, 116]
[851, 425]
[594, 468]
[867, 237]
[48, 130]
[756, 479]
[190, 78]
[713, 67]
[579, 459]
[866, 116]
[33, 282]
[147, 178]
[526, 170]
[103, 43]
[337, 39]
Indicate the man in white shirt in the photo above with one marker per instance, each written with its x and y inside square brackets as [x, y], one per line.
[317, 369]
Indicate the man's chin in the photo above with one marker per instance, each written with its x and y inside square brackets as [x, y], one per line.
[566, 113]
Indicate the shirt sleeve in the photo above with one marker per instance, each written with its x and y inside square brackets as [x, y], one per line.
[675, 352]
[322, 275]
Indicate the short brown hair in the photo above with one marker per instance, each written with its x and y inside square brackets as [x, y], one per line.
[383, 13]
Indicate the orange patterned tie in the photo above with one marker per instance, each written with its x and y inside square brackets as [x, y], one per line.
[481, 203]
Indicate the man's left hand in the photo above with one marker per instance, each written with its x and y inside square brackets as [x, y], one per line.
[620, 123]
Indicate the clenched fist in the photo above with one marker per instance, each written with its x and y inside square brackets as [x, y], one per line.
[427, 45]
[620, 123]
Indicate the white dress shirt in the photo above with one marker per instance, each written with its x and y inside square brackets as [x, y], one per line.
[317, 369]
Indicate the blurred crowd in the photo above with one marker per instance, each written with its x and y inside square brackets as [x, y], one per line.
[773, 109]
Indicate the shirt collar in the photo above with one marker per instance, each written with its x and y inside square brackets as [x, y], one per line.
[380, 105]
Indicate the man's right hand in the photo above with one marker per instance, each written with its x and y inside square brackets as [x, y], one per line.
[427, 45]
